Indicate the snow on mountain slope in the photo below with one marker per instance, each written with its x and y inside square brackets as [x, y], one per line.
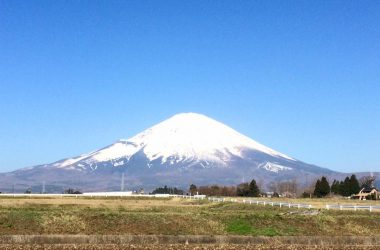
[273, 167]
[183, 137]
[194, 135]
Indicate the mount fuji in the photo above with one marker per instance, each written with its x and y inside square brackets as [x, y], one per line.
[186, 148]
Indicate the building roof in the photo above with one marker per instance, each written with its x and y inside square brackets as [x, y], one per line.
[368, 190]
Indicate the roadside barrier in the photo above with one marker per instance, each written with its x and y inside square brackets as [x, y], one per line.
[261, 202]
[352, 207]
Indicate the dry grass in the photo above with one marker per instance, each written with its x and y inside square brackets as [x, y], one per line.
[96, 202]
[173, 217]
[142, 202]
[184, 247]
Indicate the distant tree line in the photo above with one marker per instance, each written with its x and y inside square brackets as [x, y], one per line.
[322, 188]
[71, 191]
[288, 188]
[246, 189]
[349, 186]
[168, 190]
[215, 190]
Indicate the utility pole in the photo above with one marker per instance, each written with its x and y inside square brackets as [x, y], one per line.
[43, 187]
[122, 183]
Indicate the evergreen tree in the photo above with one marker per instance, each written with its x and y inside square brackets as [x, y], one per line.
[335, 187]
[341, 183]
[193, 189]
[242, 189]
[345, 187]
[325, 187]
[354, 185]
[322, 188]
[254, 190]
[317, 188]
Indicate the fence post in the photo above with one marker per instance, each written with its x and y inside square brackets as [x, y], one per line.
[340, 207]
[289, 205]
[327, 207]
[309, 206]
[299, 206]
[280, 204]
[370, 208]
[355, 207]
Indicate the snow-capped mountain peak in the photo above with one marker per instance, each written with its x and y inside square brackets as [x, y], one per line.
[186, 148]
[194, 135]
[183, 137]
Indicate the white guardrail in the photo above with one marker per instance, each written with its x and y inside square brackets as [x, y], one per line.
[297, 205]
[257, 202]
[353, 207]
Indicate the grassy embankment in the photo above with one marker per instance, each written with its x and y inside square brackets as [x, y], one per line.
[173, 217]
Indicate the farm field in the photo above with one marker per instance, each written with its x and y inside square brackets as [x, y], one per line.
[173, 217]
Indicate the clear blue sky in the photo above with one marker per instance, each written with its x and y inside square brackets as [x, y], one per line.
[302, 77]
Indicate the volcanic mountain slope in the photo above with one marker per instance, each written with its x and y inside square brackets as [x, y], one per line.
[187, 148]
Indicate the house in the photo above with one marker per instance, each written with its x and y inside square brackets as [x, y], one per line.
[288, 194]
[267, 194]
[368, 194]
[270, 194]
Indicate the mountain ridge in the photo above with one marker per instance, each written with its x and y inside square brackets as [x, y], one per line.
[186, 148]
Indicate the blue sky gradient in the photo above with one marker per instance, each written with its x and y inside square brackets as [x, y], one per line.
[302, 77]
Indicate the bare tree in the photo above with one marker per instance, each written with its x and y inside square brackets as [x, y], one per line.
[273, 187]
[217, 190]
[367, 181]
[287, 188]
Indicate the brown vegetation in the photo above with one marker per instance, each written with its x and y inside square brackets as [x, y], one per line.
[184, 247]
[183, 242]
[215, 190]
